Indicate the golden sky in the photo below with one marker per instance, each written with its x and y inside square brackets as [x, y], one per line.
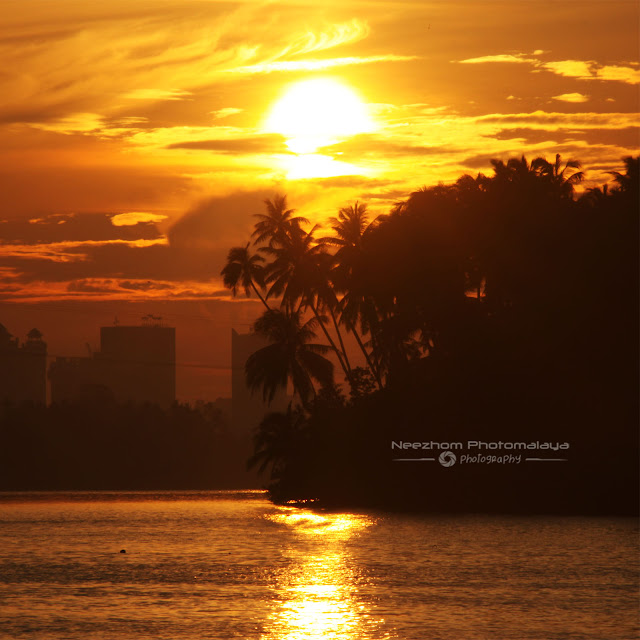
[138, 137]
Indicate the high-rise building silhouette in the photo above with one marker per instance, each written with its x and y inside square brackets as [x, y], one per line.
[135, 364]
[23, 368]
[140, 362]
[248, 409]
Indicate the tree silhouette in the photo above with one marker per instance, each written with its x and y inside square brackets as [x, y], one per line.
[244, 270]
[289, 356]
[350, 227]
[502, 301]
[595, 196]
[298, 272]
[276, 439]
[557, 174]
[629, 181]
[276, 225]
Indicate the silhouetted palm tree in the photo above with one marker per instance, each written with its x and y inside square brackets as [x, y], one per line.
[595, 196]
[292, 266]
[276, 440]
[299, 273]
[629, 181]
[275, 225]
[557, 174]
[350, 227]
[515, 170]
[520, 179]
[244, 270]
[289, 356]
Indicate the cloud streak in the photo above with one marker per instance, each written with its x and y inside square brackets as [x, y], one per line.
[163, 55]
[317, 65]
[69, 228]
[571, 97]
[333, 35]
[502, 57]
[268, 143]
[157, 94]
[578, 69]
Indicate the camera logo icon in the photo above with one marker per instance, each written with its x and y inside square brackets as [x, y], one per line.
[447, 458]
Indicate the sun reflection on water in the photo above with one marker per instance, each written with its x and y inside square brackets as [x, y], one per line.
[318, 593]
[309, 523]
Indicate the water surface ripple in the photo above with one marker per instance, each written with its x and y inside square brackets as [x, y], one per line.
[216, 565]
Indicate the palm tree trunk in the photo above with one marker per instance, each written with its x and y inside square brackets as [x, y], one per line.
[330, 339]
[371, 316]
[264, 302]
[344, 351]
[374, 370]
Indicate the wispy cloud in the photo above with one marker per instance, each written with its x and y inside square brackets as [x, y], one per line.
[218, 114]
[571, 97]
[551, 120]
[268, 143]
[187, 137]
[79, 228]
[433, 144]
[74, 123]
[106, 57]
[316, 65]
[333, 35]
[72, 251]
[570, 68]
[579, 69]
[620, 73]
[91, 285]
[134, 218]
[144, 285]
[591, 70]
[157, 94]
[503, 57]
[113, 289]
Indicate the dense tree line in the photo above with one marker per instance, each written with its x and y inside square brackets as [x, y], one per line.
[103, 445]
[495, 307]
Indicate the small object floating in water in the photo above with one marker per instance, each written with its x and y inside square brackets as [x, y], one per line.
[123, 551]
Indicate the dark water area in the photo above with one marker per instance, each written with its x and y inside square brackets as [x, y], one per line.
[230, 564]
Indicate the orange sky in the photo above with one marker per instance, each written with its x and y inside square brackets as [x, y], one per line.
[134, 145]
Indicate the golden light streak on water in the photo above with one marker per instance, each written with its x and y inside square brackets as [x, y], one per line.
[310, 523]
[230, 564]
[317, 593]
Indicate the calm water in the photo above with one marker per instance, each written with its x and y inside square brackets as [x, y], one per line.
[232, 565]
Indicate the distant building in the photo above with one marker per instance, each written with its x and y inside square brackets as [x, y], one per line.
[140, 362]
[23, 368]
[135, 364]
[247, 409]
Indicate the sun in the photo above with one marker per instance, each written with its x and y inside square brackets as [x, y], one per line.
[318, 113]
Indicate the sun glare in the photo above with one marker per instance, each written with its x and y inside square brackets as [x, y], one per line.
[317, 113]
